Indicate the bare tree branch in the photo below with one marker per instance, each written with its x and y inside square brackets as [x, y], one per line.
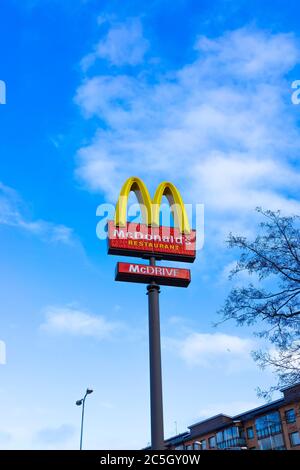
[274, 254]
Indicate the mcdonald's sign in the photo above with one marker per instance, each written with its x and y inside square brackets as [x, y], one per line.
[150, 238]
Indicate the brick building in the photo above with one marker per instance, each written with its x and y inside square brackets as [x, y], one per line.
[275, 425]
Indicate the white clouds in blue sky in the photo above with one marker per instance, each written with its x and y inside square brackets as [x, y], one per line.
[214, 350]
[250, 53]
[124, 44]
[58, 436]
[73, 321]
[219, 126]
[13, 213]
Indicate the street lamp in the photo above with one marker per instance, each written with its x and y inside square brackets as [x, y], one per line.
[198, 444]
[79, 403]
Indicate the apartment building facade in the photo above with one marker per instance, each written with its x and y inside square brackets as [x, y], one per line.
[274, 426]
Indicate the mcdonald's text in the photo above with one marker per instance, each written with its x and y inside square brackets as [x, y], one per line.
[140, 240]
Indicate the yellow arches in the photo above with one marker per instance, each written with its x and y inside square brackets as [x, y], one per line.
[139, 188]
[151, 208]
[176, 203]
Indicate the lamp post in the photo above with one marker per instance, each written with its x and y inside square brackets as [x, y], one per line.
[81, 402]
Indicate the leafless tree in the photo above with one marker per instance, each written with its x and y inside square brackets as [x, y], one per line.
[274, 256]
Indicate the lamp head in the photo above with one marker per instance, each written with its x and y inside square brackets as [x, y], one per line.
[89, 391]
[79, 402]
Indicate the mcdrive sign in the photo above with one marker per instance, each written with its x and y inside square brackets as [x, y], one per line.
[143, 273]
[150, 239]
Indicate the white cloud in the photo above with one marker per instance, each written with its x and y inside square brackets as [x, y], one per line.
[239, 278]
[57, 435]
[227, 408]
[221, 127]
[123, 44]
[213, 350]
[4, 437]
[233, 181]
[290, 357]
[70, 320]
[12, 213]
[239, 52]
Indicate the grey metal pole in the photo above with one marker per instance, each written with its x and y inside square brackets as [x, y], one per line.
[156, 400]
[82, 419]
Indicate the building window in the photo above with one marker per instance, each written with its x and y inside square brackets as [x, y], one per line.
[230, 437]
[212, 442]
[197, 445]
[203, 444]
[219, 437]
[228, 434]
[290, 416]
[295, 439]
[189, 447]
[250, 433]
[268, 425]
[272, 443]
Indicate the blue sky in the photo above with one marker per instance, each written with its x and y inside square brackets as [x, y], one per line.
[198, 93]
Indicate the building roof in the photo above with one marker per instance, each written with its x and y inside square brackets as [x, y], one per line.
[210, 424]
[209, 419]
[259, 410]
[178, 438]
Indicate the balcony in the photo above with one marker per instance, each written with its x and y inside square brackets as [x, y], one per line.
[231, 443]
[269, 431]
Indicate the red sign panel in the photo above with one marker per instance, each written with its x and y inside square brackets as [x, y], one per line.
[142, 241]
[143, 273]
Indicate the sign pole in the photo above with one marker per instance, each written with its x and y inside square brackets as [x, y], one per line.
[156, 401]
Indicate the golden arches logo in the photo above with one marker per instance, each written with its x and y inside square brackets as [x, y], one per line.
[151, 208]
